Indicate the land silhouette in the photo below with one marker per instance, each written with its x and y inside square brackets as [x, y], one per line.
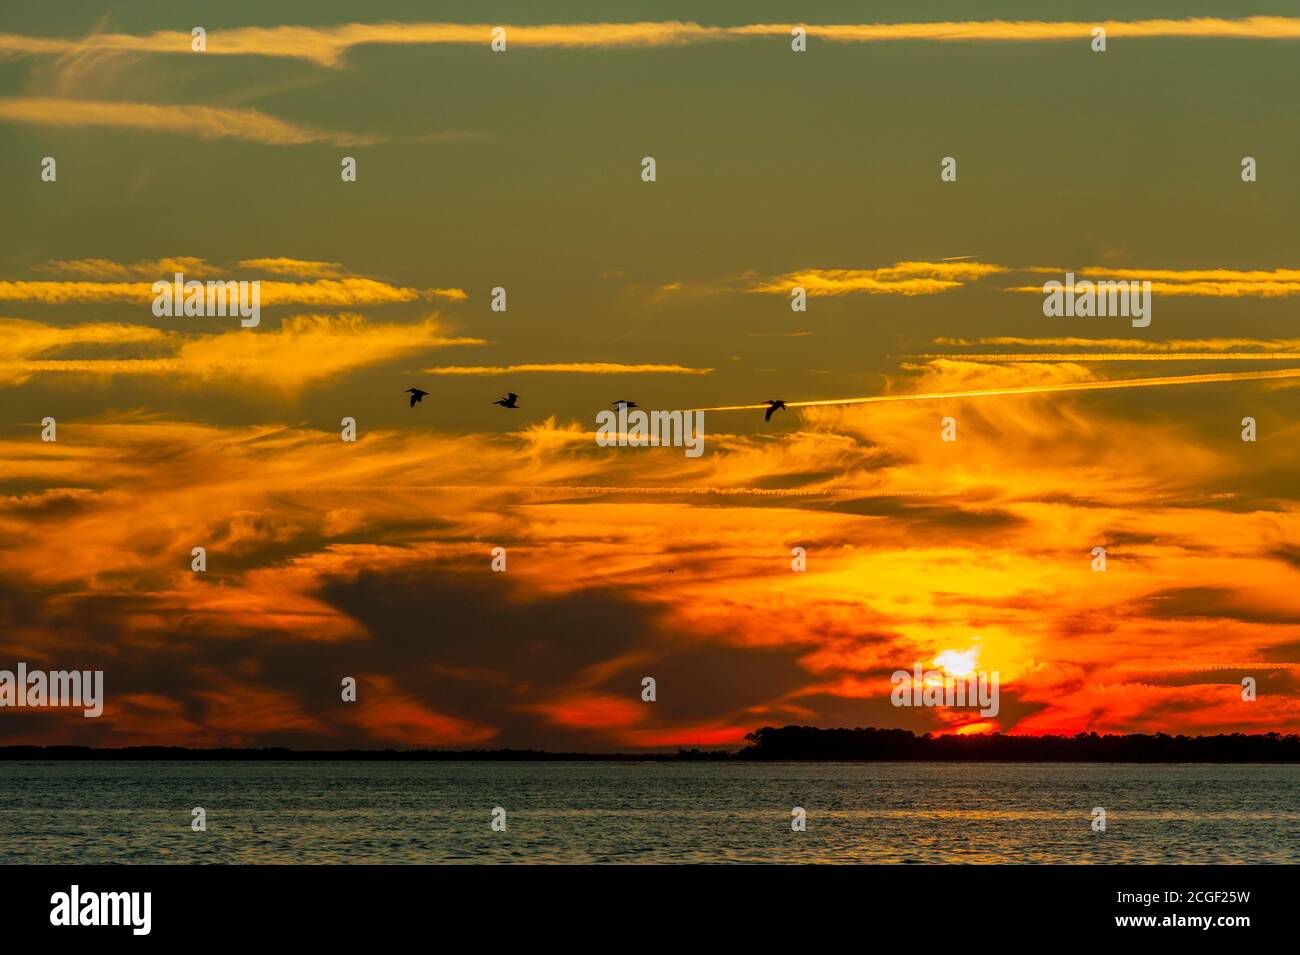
[786, 743]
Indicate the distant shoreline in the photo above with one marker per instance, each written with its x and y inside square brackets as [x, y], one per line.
[771, 744]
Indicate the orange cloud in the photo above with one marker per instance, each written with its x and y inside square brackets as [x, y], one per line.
[915, 548]
[592, 711]
[390, 715]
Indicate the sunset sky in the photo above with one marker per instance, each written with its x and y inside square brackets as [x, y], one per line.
[522, 169]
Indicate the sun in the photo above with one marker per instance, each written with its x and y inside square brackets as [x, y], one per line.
[956, 663]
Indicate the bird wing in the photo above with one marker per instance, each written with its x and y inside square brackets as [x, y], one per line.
[511, 395]
[767, 415]
[414, 399]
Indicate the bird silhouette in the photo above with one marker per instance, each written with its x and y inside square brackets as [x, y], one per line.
[772, 405]
[416, 394]
[621, 403]
[511, 400]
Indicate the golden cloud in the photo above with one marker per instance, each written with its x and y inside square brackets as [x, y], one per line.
[345, 292]
[327, 46]
[571, 368]
[1210, 283]
[205, 122]
[901, 278]
[301, 268]
[303, 351]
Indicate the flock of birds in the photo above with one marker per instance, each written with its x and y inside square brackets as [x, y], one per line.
[511, 400]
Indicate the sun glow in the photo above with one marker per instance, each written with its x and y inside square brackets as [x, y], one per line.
[954, 663]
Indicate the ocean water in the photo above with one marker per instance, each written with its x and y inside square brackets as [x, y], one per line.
[389, 812]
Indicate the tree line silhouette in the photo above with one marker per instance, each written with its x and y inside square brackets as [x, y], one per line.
[809, 742]
[785, 743]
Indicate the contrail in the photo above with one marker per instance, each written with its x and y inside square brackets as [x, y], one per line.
[1112, 356]
[1037, 389]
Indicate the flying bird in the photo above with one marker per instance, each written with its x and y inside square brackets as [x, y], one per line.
[772, 405]
[416, 394]
[623, 404]
[511, 400]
